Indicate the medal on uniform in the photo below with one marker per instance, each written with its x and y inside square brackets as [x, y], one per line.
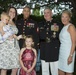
[54, 28]
[48, 40]
[54, 34]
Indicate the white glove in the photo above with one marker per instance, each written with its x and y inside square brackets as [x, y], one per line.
[19, 37]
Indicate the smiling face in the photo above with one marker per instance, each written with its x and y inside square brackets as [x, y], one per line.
[47, 14]
[65, 17]
[26, 12]
[12, 13]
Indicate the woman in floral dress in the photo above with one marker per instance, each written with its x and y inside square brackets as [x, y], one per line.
[9, 50]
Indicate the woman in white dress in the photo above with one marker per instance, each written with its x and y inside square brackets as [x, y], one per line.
[67, 48]
[9, 50]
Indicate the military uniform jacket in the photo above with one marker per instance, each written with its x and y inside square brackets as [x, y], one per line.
[49, 40]
[27, 27]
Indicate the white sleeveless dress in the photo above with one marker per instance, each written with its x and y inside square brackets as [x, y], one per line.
[65, 48]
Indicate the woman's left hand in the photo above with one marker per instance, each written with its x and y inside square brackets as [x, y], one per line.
[69, 60]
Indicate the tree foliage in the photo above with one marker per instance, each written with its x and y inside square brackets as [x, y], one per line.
[38, 3]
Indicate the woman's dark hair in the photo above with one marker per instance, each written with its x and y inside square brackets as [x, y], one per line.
[28, 36]
[15, 12]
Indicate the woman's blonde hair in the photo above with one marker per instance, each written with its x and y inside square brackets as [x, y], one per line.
[68, 12]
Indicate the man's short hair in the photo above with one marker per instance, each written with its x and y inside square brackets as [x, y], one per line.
[27, 7]
[47, 8]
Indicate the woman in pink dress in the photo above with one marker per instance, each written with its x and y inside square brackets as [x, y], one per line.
[28, 57]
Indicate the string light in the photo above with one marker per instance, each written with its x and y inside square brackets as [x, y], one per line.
[55, 0]
[47, 0]
[28, 1]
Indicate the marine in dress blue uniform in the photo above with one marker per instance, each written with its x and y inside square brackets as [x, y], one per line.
[27, 27]
[49, 43]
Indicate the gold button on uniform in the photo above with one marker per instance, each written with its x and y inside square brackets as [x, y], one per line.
[46, 32]
[23, 29]
[23, 26]
[23, 32]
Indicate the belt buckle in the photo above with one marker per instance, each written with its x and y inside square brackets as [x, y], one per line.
[48, 40]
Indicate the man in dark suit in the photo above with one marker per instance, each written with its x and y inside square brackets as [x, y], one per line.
[49, 43]
[27, 26]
